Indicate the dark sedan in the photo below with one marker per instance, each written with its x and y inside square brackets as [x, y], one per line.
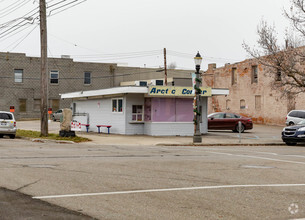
[294, 134]
[229, 121]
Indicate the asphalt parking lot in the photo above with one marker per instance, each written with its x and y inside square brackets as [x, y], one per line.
[159, 182]
[259, 135]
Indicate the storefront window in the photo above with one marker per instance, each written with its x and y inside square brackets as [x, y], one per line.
[184, 110]
[163, 110]
[171, 110]
[137, 113]
[117, 105]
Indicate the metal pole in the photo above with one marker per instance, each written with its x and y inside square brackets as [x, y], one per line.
[165, 68]
[197, 134]
[239, 131]
[44, 74]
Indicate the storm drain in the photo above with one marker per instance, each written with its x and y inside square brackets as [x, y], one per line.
[40, 166]
[256, 167]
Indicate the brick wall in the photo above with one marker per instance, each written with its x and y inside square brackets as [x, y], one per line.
[262, 103]
[71, 79]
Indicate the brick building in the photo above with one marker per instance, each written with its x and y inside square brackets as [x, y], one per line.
[20, 80]
[251, 93]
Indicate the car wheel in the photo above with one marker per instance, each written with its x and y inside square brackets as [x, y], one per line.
[1, 135]
[242, 128]
[12, 136]
[53, 118]
[290, 143]
[291, 123]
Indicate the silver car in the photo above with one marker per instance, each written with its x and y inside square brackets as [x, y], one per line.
[56, 115]
[294, 117]
[7, 124]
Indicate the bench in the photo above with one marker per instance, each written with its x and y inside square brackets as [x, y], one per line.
[106, 126]
[87, 127]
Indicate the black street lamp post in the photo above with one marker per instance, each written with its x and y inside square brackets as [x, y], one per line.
[197, 134]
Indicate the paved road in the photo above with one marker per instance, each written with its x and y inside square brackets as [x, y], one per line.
[155, 182]
[14, 205]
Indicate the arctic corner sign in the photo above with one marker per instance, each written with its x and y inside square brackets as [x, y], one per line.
[176, 91]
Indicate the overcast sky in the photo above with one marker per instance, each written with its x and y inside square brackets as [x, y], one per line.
[134, 32]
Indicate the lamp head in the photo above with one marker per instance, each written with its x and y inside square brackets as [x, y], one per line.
[198, 59]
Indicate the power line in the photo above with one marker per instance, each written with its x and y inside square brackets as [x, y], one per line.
[187, 55]
[23, 38]
[19, 24]
[9, 6]
[75, 1]
[11, 27]
[16, 7]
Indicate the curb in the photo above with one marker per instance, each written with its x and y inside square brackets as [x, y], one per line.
[41, 140]
[210, 145]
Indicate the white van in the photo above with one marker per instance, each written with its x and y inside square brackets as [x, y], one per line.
[7, 124]
[295, 116]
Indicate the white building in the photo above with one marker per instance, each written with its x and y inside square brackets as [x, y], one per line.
[154, 110]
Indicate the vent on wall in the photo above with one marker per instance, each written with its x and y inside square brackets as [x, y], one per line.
[140, 83]
[157, 82]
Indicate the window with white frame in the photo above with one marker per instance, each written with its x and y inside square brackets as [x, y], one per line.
[137, 113]
[117, 105]
[87, 78]
[18, 75]
[54, 75]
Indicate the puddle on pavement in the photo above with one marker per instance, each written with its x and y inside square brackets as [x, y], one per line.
[256, 167]
[40, 166]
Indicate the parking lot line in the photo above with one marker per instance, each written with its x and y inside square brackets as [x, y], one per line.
[257, 157]
[167, 190]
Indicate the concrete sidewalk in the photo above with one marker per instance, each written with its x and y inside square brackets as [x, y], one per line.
[259, 135]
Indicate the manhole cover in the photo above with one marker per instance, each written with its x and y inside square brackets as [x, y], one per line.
[40, 166]
[256, 166]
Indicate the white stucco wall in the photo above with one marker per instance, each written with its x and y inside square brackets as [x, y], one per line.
[100, 113]
[169, 128]
[133, 128]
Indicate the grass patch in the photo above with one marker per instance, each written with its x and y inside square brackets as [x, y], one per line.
[36, 134]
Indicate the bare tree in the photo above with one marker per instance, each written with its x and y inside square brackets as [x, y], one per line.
[172, 65]
[284, 62]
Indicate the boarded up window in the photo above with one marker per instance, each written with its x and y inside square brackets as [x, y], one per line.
[242, 104]
[22, 105]
[258, 102]
[228, 104]
[55, 104]
[234, 76]
[278, 76]
[147, 109]
[254, 74]
[37, 104]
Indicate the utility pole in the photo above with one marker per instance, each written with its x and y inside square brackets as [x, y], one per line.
[44, 74]
[165, 68]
